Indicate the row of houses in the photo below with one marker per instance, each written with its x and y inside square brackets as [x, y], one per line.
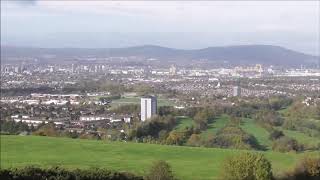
[55, 96]
[111, 119]
[35, 121]
[57, 102]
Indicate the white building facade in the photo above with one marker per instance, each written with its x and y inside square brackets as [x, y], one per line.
[236, 91]
[148, 107]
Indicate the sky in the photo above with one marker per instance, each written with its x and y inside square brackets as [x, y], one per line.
[176, 24]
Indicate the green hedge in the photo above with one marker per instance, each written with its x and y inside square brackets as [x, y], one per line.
[57, 173]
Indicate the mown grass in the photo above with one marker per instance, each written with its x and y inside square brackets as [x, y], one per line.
[215, 126]
[183, 123]
[261, 134]
[301, 137]
[187, 162]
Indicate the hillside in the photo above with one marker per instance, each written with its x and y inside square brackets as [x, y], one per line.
[249, 126]
[187, 162]
[245, 54]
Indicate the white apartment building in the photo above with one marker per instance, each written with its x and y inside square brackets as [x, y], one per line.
[148, 107]
[236, 91]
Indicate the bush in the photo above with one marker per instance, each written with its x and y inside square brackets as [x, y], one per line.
[175, 138]
[202, 118]
[194, 140]
[269, 117]
[47, 130]
[275, 134]
[247, 166]
[12, 127]
[308, 169]
[286, 144]
[57, 173]
[90, 136]
[232, 136]
[160, 170]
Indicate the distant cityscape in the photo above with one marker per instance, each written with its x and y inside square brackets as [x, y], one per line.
[45, 85]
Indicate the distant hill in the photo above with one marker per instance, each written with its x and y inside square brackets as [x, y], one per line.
[244, 54]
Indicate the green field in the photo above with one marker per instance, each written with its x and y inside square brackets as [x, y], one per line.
[183, 122]
[301, 137]
[261, 134]
[215, 125]
[187, 162]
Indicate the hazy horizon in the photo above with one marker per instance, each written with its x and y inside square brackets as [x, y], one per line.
[181, 25]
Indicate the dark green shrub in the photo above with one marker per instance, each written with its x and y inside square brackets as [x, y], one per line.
[275, 134]
[57, 173]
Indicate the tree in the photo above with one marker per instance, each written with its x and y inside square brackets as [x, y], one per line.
[233, 136]
[280, 102]
[175, 138]
[275, 134]
[194, 140]
[310, 167]
[286, 144]
[201, 120]
[47, 130]
[153, 127]
[307, 168]
[160, 170]
[247, 166]
[269, 117]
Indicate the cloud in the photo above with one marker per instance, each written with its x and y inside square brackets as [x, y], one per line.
[25, 2]
[203, 15]
[294, 23]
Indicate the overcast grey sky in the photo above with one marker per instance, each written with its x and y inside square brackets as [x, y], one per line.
[180, 24]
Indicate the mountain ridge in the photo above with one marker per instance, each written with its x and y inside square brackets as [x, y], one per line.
[236, 54]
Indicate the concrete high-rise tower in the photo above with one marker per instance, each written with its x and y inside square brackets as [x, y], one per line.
[236, 91]
[148, 107]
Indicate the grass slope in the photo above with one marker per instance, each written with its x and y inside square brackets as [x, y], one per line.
[187, 162]
[261, 134]
[214, 126]
[301, 137]
[183, 122]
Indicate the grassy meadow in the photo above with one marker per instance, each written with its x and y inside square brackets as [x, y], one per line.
[187, 162]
